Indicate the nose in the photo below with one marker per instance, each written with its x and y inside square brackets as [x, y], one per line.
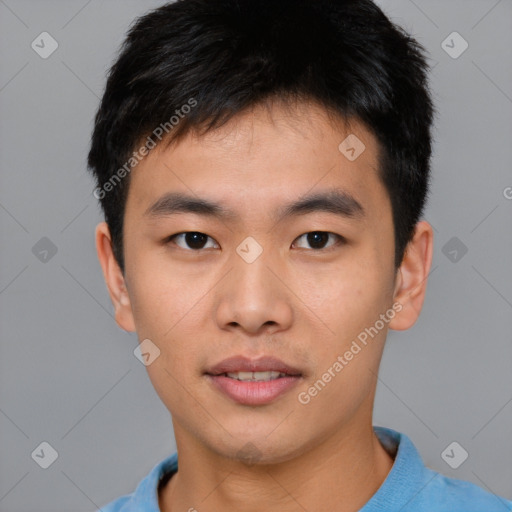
[253, 299]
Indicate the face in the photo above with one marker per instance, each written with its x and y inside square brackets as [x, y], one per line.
[289, 257]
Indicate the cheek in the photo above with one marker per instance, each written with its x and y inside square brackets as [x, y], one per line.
[162, 297]
[168, 305]
[345, 297]
[353, 300]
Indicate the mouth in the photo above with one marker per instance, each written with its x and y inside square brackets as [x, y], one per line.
[254, 376]
[253, 381]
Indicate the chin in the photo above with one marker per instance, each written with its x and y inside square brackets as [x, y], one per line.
[254, 451]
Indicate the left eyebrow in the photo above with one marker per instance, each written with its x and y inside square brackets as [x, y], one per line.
[333, 201]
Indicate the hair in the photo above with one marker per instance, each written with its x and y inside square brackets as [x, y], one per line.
[225, 57]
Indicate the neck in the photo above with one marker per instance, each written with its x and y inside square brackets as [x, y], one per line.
[342, 473]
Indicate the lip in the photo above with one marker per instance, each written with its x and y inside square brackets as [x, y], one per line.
[253, 392]
[245, 364]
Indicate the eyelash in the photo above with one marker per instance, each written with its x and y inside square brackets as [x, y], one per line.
[340, 240]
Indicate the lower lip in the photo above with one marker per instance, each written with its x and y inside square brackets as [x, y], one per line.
[253, 392]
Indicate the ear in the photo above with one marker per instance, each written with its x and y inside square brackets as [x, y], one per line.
[114, 278]
[411, 279]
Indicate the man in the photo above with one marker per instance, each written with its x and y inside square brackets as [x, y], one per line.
[263, 167]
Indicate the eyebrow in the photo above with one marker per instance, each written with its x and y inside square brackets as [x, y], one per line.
[333, 201]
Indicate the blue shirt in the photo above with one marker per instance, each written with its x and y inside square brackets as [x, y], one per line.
[409, 486]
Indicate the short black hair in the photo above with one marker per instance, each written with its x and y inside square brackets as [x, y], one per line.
[195, 64]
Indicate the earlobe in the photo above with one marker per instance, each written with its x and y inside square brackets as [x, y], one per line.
[411, 279]
[114, 278]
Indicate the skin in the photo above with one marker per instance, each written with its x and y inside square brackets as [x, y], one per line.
[302, 304]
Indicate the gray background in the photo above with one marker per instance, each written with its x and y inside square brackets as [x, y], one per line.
[68, 375]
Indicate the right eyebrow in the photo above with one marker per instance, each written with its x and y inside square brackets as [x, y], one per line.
[176, 202]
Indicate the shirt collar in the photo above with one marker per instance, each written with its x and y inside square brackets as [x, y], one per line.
[145, 496]
[407, 477]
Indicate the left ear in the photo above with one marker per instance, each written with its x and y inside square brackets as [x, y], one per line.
[411, 279]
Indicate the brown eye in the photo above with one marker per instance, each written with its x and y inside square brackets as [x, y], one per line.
[319, 240]
[191, 240]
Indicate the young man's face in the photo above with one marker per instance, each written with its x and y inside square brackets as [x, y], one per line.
[303, 300]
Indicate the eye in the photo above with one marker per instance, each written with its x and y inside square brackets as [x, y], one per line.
[318, 240]
[194, 240]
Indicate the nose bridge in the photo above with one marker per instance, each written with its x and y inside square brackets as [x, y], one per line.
[252, 280]
[251, 277]
[251, 296]
[251, 260]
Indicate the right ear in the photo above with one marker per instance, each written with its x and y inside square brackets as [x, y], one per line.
[114, 278]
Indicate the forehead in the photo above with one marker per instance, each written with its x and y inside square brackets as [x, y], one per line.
[262, 158]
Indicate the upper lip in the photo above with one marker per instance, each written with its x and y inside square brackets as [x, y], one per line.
[245, 364]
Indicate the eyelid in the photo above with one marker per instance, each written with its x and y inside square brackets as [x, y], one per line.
[340, 240]
[170, 239]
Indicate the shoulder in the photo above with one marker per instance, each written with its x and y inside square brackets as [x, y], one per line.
[412, 487]
[145, 496]
[445, 494]
[118, 505]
